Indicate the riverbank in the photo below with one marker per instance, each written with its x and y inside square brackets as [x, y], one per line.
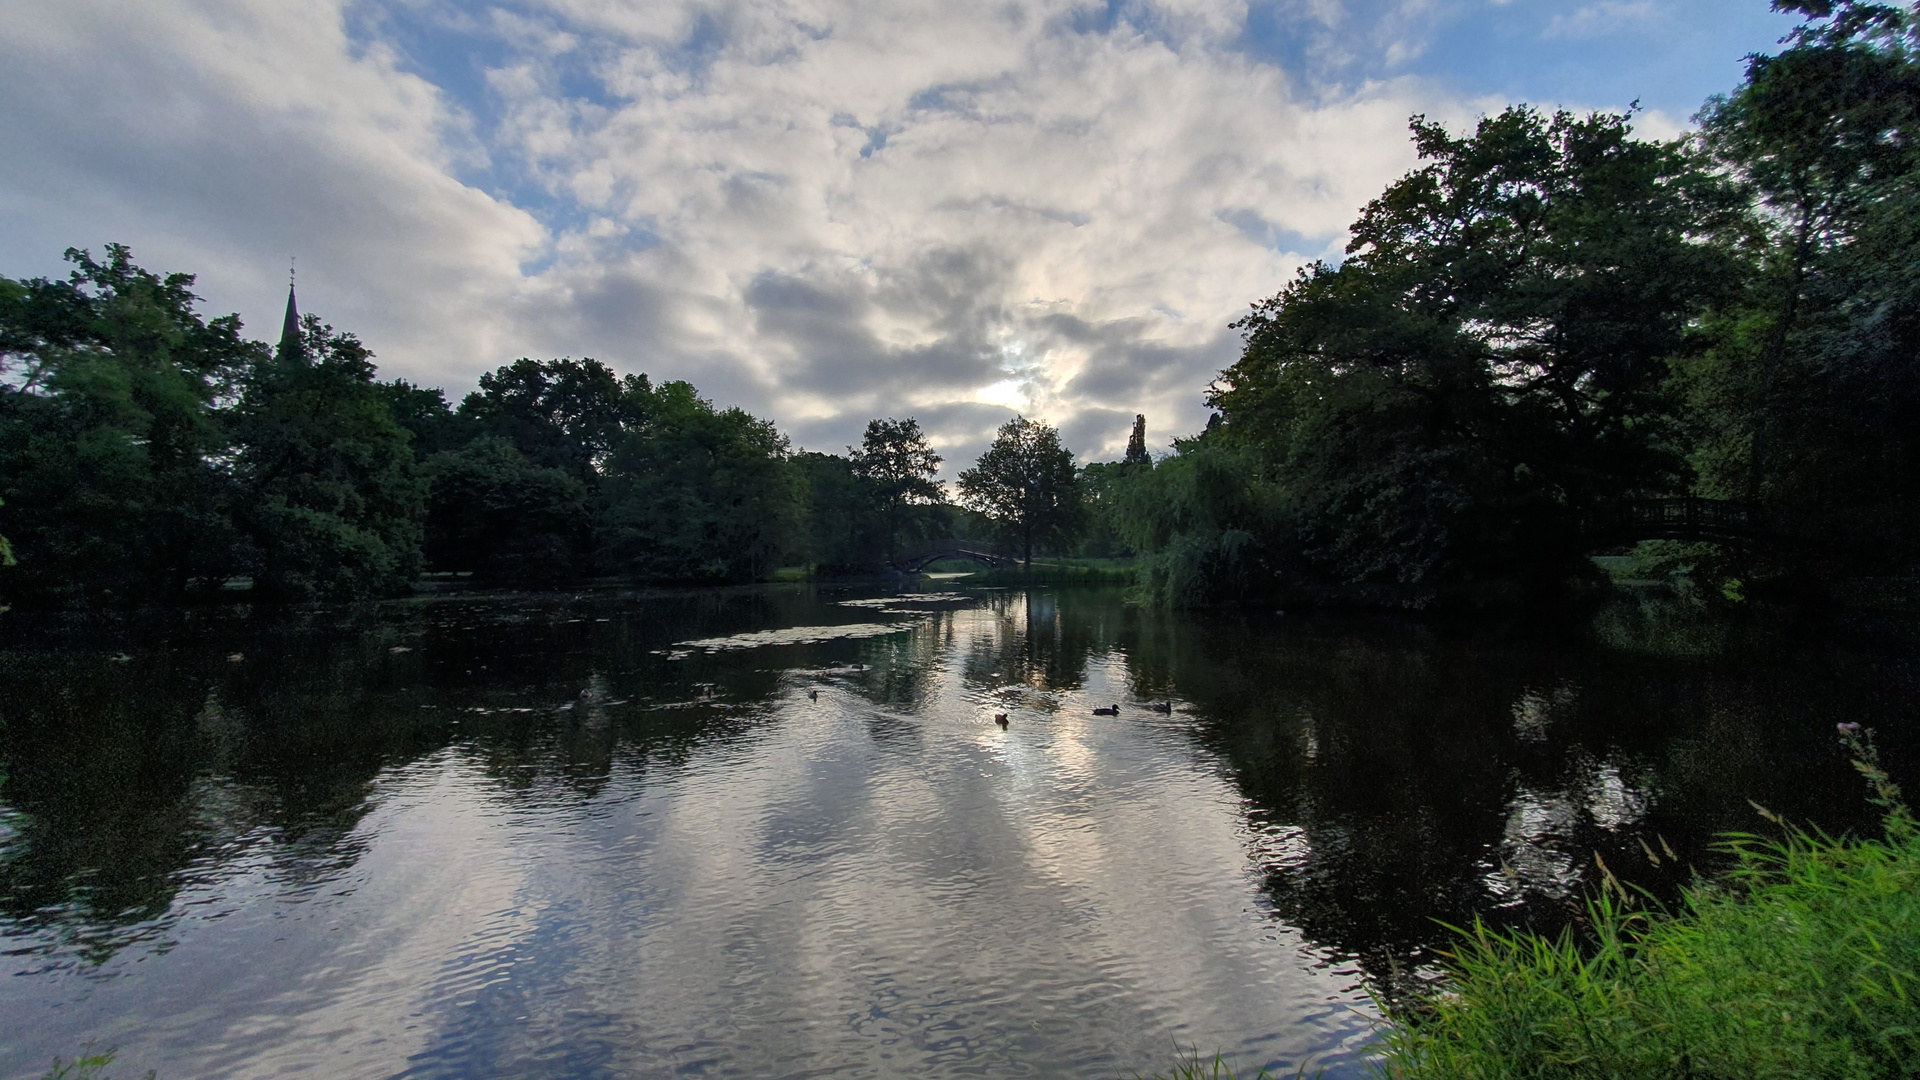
[1802, 961]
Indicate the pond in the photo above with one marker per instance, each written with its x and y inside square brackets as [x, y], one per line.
[779, 832]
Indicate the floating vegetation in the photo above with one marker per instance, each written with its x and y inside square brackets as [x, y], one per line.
[792, 635]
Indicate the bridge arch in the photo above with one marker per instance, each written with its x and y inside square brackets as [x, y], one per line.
[919, 559]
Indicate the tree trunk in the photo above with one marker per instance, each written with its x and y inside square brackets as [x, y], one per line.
[1776, 353]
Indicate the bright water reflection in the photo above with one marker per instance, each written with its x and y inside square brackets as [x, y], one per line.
[778, 834]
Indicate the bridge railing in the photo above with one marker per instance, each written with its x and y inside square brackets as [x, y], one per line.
[1684, 517]
[1689, 513]
[949, 549]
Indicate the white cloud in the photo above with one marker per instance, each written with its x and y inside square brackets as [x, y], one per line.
[1606, 17]
[823, 211]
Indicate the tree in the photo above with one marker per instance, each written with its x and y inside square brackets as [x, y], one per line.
[563, 414]
[1807, 406]
[500, 517]
[695, 493]
[331, 500]
[841, 531]
[1026, 484]
[898, 465]
[1490, 362]
[424, 413]
[111, 434]
[1137, 444]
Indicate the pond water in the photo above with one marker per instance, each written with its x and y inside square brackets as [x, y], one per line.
[777, 832]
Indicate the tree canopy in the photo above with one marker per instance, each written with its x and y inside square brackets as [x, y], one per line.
[1026, 485]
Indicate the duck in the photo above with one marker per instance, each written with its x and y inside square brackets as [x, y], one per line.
[813, 695]
[1160, 706]
[1000, 718]
[1110, 710]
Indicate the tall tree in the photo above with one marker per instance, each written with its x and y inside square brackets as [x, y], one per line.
[1822, 131]
[898, 464]
[332, 502]
[695, 493]
[1808, 405]
[1137, 444]
[1490, 361]
[563, 414]
[111, 438]
[1027, 485]
[495, 514]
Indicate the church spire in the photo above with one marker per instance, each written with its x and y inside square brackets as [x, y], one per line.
[290, 330]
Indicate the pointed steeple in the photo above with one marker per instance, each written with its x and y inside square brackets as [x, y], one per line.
[290, 330]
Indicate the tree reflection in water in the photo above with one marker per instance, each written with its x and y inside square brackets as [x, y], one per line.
[1393, 775]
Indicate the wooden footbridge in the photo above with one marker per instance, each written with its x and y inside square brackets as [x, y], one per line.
[1674, 519]
[913, 562]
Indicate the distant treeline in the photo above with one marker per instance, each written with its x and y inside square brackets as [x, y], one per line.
[1550, 316]
[148, 454]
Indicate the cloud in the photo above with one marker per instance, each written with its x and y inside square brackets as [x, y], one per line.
[822, 211]
[1606, 17]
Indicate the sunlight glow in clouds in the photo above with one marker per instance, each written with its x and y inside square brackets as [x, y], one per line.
[822, 211]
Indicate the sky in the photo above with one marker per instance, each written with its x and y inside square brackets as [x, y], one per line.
[822, 212]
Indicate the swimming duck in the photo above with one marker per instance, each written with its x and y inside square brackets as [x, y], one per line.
[1110, 710]
[1000, 718]
[813, 695]
[1160, 706]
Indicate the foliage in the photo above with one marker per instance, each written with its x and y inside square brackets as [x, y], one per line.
[1027, 485]
[1488, 363]
[1137, 444]
[499, 516]
[110, 435]
[899, 469]
[1803, 963]
[1805, 403]
[696, 493]
[330, 499]
[1204, 524]
[1195, 1067]
[562, 414]
[842, 532]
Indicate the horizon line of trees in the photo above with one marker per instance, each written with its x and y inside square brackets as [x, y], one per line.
[148, 454]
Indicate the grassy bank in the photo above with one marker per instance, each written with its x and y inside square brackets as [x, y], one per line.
[1802, 962]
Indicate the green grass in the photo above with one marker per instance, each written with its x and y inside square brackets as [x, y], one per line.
[1803, 962]
[1195, 1067]
[90, 1065]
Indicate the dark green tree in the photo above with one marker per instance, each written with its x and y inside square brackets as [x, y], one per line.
[1807, 403]
[331, 499]
[1027, 485]
[111, 439]
[695, 493]
[563, 414]
[899, 468]
[500, 517]
[1490, 362]
[842, 532]
[428, 420]
[1137, 444]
